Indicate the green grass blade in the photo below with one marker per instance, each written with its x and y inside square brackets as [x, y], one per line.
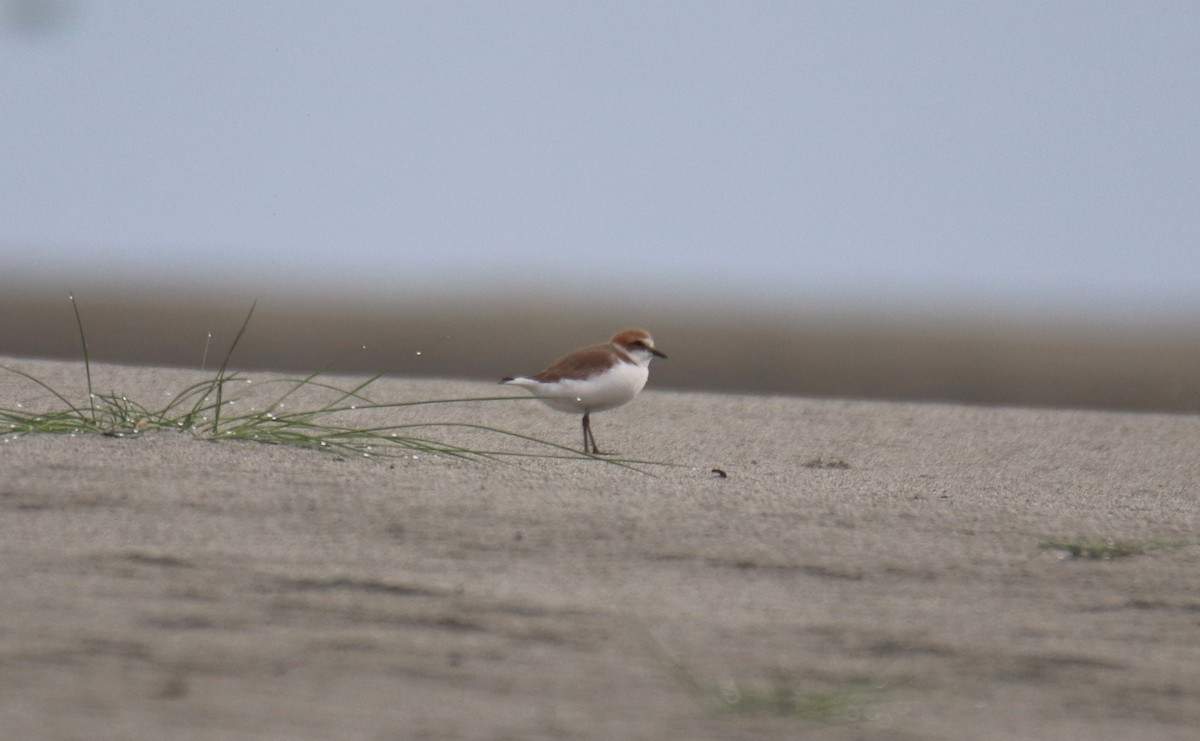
[87, 360]
[47, 387]
[217, 384]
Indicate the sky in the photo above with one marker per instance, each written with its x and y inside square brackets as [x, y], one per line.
[959, 155]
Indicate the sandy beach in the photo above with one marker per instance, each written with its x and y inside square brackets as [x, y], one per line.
[866, 570]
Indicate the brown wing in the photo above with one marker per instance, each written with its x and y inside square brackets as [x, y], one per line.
[581, 363]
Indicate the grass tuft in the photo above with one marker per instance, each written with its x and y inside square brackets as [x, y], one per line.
[781, 698]
[1106, 549]
[203, 409]
[826, 463]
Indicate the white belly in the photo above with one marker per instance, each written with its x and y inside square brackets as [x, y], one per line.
[594, 394]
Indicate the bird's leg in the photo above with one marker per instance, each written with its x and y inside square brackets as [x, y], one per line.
[588, 435]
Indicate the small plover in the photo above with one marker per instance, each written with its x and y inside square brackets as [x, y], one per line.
[594, 378]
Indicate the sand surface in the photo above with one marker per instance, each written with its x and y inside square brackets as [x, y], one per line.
[162, 586]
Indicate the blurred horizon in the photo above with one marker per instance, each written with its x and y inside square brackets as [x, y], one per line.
[992, 361]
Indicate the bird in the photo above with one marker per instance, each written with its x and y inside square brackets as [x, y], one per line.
[595, 378]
